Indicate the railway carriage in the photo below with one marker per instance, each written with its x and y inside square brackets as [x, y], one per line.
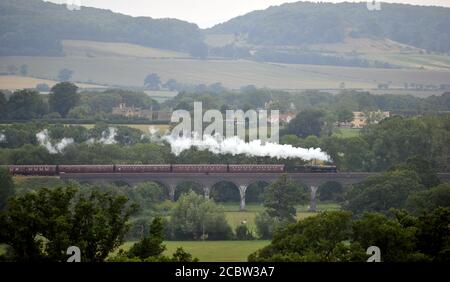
[86, 168]
[52, 170]
[33, 170]
[256, 168]
[142, 168]
[190, 168]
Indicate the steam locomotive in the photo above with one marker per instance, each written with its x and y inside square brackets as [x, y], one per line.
[53, 170]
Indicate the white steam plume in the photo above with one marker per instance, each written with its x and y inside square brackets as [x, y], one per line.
[235, 146]
[109, 136]
[44, 139]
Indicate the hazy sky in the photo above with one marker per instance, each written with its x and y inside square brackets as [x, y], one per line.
[206, 13]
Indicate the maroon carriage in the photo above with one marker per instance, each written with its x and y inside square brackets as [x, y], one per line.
[38, 170]
[142, 168]
[256, 168]
[86, 168]
[191, 168]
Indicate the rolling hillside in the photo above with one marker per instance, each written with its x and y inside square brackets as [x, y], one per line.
[37, 28]
[292, 46]
[306, 23]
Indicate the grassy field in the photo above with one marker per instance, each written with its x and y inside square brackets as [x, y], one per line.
[233, 251]
[235, 217]
[213, 251]
[348, 132]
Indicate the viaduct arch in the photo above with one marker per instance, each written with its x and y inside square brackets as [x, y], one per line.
[240, 180]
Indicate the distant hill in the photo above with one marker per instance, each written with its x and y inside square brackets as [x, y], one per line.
[34, 27]
[306, 23]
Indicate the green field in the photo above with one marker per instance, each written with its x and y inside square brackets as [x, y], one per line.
[236, 217]
[348, 132]
[213, 251]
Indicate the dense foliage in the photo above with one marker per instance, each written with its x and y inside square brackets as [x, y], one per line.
[42, 225]
[309, 23]
[196, 218]
[34, 27]
[336, 237]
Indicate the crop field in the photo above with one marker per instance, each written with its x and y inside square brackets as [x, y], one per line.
[116, 71]
[161, 96]
[12, 82]
[82, 48]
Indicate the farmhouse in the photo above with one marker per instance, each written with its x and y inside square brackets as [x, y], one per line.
[361, 119]
[126, 111]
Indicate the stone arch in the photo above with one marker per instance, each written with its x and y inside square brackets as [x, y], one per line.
[169, 189]
[225, 191]
[255, 190]
[330, 191]
[184, 186]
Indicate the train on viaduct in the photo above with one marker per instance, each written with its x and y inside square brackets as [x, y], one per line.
[207, 175]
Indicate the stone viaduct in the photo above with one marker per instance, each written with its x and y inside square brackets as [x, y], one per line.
[240, 180]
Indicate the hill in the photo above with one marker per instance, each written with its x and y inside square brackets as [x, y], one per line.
[37, 28]
[95, 49]
[305, 23]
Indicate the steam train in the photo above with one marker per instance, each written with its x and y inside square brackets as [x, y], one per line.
[53, 170]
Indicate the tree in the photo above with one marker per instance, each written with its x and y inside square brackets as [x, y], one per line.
[150, 246]
[427, 201]
[152, 81]
[194, 217]
[306, 123]
[182, 256]
[42, 87]
[65, 75]
[425, 170]
[26, 104]
[93, 221]
[242, 232]
[23, 70]
[344, 115]
[172, 85]
[3, 105]
[381, 193]
[281, 197]
[395, 140]
[397, 243]
[198, 50]
[321, 238]
[63, 97]
[6, 187]
[267, 225]
[331, 191]
[433, 236]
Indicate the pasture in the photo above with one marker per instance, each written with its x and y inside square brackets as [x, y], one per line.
[213, 251]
